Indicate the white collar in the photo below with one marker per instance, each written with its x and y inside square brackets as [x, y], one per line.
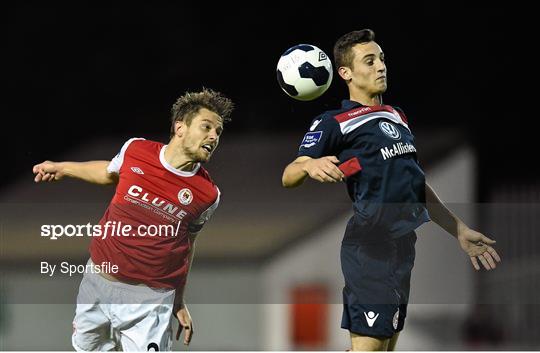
[172, 169]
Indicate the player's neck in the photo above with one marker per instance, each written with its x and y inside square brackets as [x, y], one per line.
[366, 99]
[176, 158]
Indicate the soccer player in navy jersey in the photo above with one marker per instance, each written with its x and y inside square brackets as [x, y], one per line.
[157, 185]
[370, 146]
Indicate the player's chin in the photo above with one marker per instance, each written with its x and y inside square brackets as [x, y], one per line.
[204, 156]
[381, 87]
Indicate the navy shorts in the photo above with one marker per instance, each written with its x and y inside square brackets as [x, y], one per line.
[377, 282]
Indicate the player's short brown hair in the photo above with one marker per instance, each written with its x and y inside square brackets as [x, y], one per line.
[343, 54]
[188, 105]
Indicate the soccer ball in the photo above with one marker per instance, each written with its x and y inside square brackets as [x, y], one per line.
[304, 72]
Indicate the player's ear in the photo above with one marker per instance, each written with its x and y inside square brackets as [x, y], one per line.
[179, 128]
[344, 72]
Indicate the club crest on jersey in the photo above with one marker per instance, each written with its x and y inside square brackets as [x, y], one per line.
[185, 196]
[311, 139]
[390, 130]
[395, 319]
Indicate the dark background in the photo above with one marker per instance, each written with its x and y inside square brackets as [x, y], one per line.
[75, 71]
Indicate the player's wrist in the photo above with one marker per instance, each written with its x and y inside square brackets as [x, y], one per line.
[305, 166]
[462, 229]
[179, 303]
[63, 169]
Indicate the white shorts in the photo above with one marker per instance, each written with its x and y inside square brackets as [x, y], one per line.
[120, 316]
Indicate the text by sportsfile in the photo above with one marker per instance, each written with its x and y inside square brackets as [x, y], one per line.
[110, 228]
[70, 269]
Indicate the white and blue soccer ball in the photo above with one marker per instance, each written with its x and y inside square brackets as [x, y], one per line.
[304, 72]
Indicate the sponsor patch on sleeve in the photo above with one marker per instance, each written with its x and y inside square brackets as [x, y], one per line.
[311, 139]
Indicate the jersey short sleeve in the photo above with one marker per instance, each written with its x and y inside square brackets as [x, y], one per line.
[323, 138]
[197, 224]
[116, 163]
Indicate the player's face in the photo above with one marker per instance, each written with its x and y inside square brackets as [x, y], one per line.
[201, 137]
[369, 70]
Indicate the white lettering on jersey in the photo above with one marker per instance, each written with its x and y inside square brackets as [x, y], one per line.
[156, 203]
[311, 139]
[397, 149]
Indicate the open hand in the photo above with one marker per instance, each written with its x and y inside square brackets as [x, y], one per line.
[478, 247]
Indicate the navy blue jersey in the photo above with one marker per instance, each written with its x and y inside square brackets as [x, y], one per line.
[388, 188]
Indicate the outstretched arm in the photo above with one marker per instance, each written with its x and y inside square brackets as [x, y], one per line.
[475, 244]
[94, 172]
[322, 169]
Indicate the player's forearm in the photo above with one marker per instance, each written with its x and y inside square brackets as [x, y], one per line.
[294, 174]
[179, 296]
[441, 215]
[93, 171]
[192, 239]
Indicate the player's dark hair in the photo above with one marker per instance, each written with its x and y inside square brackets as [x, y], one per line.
[187, 106]
[343, 54]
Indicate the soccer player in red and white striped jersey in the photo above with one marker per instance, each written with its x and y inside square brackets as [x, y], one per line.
[163, 198]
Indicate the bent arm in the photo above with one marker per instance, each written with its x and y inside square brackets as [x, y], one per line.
[322, 169]
[94, 172]
[295, 173]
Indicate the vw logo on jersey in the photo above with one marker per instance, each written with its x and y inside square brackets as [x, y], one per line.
[390, 130]
[185, 196]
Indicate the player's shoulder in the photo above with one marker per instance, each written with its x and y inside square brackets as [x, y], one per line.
[401, 113]
[398, 108]
[348, 110]
[205, 175]
[332, 118]
[332, 113]
[142, 144]
[352, 111]
[210, 188]
[323, 121]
